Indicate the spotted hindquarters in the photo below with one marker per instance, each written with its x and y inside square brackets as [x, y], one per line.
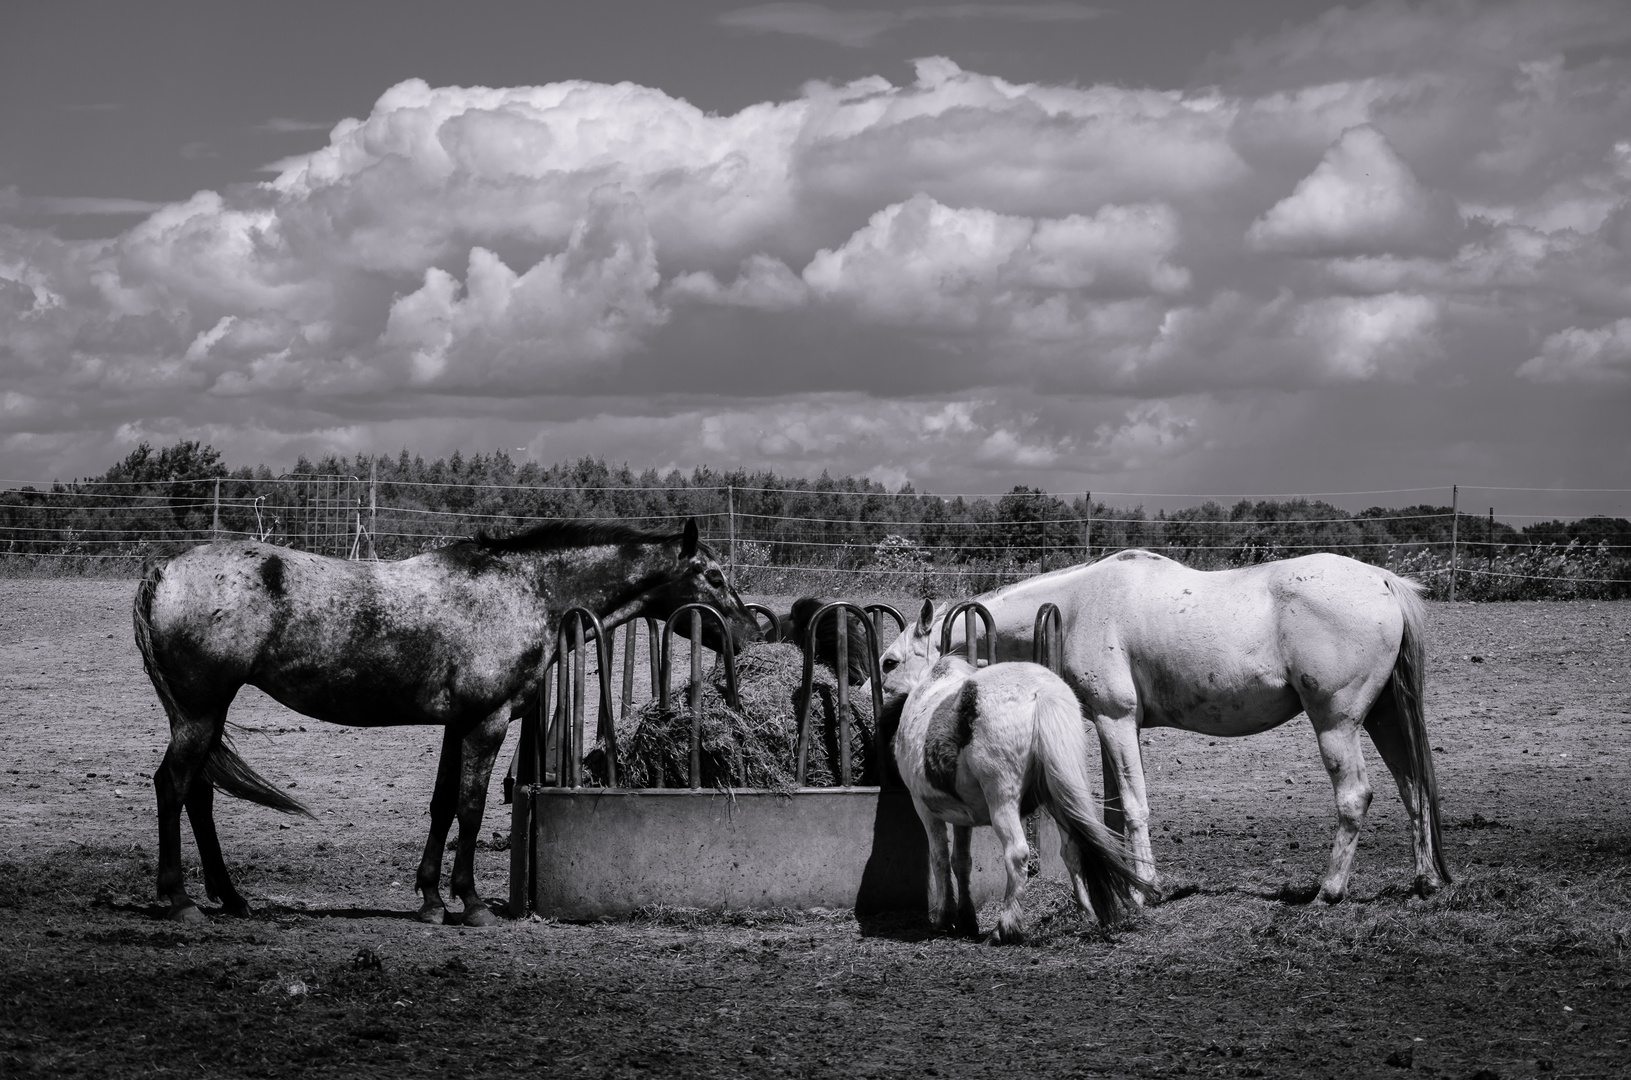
[951, 727]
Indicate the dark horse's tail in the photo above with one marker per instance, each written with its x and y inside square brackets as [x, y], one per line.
[1408, 674]
[223, 768]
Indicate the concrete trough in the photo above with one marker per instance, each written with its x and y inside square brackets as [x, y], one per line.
[597, 852]
[582, 853]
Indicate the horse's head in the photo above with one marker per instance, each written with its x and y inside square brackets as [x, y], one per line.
[908, 660]
[696, 577]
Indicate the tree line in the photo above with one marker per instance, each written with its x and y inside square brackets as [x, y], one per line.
[394, 506]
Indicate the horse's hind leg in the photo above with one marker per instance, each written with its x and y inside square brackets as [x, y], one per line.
[1118, 742]
[942, 906]
[178, 775]
[962, 864]
[1345, 762]
[1386, 729]
[1010, 829]
[444, 800]
[1070, 853]
[481, 746]
[200, 804]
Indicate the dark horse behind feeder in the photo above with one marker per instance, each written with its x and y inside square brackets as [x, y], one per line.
[454, 638]
[795, 627]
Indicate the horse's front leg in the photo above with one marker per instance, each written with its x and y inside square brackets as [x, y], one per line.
[444, 800]
[481, 747]
[1118, 742]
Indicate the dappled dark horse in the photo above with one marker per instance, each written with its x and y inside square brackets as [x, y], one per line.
[453, 638]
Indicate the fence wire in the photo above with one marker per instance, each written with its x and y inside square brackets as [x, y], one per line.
[823, 538]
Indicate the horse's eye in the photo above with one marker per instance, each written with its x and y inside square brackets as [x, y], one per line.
[716, 579]
[890, 665]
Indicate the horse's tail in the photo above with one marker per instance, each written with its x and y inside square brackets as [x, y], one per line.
[1409, 673]
[1110, 879]
[223, 768]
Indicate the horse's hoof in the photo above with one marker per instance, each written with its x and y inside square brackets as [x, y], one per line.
[1426, 887]
[187, 914]
[1301, 894]
[481, 915]
[238, 910]
[431, 916]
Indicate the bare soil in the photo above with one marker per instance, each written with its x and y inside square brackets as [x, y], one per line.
[1519, 969]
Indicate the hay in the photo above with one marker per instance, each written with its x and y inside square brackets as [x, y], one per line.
[754, 747]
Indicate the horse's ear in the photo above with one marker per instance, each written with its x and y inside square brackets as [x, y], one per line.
[688, 542]
[925, 618]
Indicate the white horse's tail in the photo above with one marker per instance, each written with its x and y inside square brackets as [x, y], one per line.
[1409, 673]
[1110, 879]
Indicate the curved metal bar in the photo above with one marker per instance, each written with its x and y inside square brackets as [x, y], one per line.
[807, 690]
[697, 611]
[576, 623]
[1048, 637]
[874, 610]
[775, 632]
[969, 609]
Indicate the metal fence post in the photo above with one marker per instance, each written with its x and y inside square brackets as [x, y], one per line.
[215, 527]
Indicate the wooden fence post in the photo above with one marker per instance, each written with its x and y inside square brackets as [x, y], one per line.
[1455, 520]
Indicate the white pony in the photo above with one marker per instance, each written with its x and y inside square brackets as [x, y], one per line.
[1149, 642]
[986, 748]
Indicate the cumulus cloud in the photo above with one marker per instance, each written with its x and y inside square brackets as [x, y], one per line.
[1342, 207]
[926, 263]
[1361, 338]
[591, 303]
[1360, 199]
[1601, 356]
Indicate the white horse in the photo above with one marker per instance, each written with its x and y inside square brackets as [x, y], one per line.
[986, 748]
[1149, 642]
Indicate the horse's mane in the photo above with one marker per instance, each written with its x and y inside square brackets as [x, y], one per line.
[570, 533]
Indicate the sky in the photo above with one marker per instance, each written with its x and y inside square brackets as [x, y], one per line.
[1243, 249]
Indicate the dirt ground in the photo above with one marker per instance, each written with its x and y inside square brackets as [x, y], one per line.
[1520, 969]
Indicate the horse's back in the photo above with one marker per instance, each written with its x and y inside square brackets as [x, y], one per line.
[351, 642]
[1224, 650]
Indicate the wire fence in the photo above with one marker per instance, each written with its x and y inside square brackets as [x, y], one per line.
[838, 537]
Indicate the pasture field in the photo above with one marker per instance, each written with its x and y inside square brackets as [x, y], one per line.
[1522, 968]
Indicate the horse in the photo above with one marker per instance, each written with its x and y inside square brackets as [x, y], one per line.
[454, 638]
[986, 747]
[858, 651]
[1149, 642]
